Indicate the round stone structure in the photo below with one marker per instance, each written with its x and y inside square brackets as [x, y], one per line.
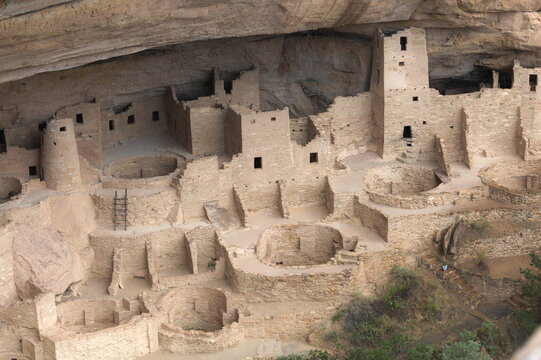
[298, 245]
[407, 187]
[142, 167]
[9, 187]
[514, 182]
[197, 319]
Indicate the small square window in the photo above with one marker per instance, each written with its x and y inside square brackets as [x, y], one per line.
[111, 125]
[415, 98]
[32, 170]
[273, 118]
[408, 144]
[131, 119]
[313, 157]
[258, 163]
[63, 128]
[79, 118]
[155, 116]
[452, 126]
[424, 122]
[401, 63]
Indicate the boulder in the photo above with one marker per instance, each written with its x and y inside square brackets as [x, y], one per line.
[43, 262]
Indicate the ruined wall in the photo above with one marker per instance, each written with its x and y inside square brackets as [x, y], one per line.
[133, 120]
[18, 161]
[206, 130]
[145, 207]
[136, 338]
[170, 250]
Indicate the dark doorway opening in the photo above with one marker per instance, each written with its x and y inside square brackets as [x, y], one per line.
[505, 79]
[533, 82]
[406, 134]
[32, 171]
[155, 116]
[228, 86]
[79, 118]
[313, 157]
[111, 125]
[131, 119]
[3, 145]
[403, 43]
[258, 163]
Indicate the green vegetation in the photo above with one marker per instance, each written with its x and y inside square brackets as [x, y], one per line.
[481, 225]
[480, 256]
[382, 328]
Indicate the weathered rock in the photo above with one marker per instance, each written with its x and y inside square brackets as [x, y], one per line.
[46, 35]
[458, 233]
[43, 263]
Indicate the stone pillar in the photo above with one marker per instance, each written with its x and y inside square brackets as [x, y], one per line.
[60, 166]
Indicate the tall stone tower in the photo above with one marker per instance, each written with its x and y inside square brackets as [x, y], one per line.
[400, 91]
[59, 157]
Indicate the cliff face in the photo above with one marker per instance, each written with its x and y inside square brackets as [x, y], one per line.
[45, 35]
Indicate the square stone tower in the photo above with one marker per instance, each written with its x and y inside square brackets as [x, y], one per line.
[400, 91]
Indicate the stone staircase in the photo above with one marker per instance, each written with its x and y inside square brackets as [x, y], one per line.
[269, 349]
[407, 157]
[347, 257]
[431, 262]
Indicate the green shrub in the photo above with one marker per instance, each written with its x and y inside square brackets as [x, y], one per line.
[406, 280]
[480, 255]
[462, 350]
[487, 334]
[480, 225]
[531, 290]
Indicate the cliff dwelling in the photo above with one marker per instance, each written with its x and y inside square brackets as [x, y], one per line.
[315, 185]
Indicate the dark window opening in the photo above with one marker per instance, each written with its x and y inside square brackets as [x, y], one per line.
[415, 98]
[3, 145]
[273, 118]
[258, 163]
[408, 144]
[505, 79]
[401, 63]
[111, 125]
[424, 122]
[378, 77]
[228, 86]
[131, 119]
[42, 126]
[32, 171]
[63, 128]
[406, 134]
[313, 157]
[79, 118]
[155, 116]
[533, 82]
[452, 126]
[403, 43]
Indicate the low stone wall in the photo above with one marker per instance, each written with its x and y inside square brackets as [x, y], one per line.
[170, 250]
[144, 208]
[128, 341]
[144, 167]
[302, 244]
[371, 218]
[430, 199]
[508, 183]
[320, 286]
[286, 327]
[194, 341]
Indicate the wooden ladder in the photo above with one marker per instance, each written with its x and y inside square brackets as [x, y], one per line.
[120, 210]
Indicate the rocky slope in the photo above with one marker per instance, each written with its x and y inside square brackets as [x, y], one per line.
[45, 35]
